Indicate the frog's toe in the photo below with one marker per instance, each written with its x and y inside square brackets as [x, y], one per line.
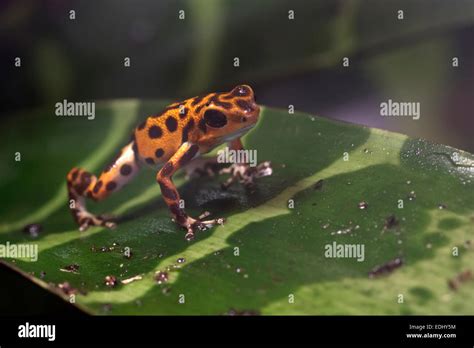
[86, 220]
[193, 225]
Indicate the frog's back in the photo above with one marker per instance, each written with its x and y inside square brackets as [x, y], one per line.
[160, 136]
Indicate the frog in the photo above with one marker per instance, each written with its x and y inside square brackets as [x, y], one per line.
[173, 139]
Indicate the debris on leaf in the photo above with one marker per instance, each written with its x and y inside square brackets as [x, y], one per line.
[33, 230]
[67, 288]
[161, 277]
[461, 278]
[73, 268]
[132, 279]
[110, 281]
[390, 222]
[386, 268]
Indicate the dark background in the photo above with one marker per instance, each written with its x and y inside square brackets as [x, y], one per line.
[295, 62]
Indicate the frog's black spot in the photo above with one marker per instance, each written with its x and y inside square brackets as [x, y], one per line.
[84, 183]
[149, 160]
[111, 185]
[75, 173]
[186, 130]
[168, 192]
[142, 125]
[196, 101]
[244, 105]
[227, 96]
[135, 150]
[183, 112]
[167, 169]
[126, 169]
[202, 125]
[189, 155]
[159, 152]
[199, 108]
[215, 118]
[86, 177]
[216, 101]
[97, 186]
[171, 124]
[155, 132]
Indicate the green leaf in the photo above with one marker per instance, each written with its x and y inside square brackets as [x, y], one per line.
[281, 250]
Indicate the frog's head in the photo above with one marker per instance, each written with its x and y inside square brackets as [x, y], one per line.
[229, 115]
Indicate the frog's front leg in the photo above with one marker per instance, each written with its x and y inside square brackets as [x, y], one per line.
[82, 184]
[183, 156]
[243, 172]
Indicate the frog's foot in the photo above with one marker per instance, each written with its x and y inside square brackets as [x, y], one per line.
[193, 225]
[203, 166]
[246, 174]
[85, 220]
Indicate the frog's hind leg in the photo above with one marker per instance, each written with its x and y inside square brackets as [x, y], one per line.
[82, 184]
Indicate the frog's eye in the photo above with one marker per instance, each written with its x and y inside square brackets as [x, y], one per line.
[242, 90]
[215, 118]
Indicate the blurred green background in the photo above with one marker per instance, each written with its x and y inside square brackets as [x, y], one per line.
[296, 62]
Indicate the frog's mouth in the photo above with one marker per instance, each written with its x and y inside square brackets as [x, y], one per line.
[236, 134]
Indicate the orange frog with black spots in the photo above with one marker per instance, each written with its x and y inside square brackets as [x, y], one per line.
[167, 142]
